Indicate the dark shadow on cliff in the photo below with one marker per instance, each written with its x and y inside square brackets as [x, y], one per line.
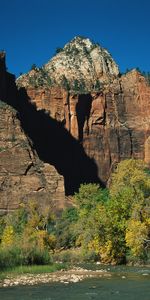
[8, 90]
[53, 143]
[83, 109]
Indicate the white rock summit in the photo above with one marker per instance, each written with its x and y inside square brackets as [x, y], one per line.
[83, 61]
[81, 65]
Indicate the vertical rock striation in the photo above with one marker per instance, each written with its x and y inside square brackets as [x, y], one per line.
[74, 120]
[111, 125]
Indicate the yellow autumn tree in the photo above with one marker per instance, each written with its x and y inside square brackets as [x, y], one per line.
[35, 234]
[7, 237]
[130, 173]
[136, 235]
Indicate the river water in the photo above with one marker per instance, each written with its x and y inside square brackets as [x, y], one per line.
[126, 283]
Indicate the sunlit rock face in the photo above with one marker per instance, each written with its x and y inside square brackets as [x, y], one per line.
[102, 110]
[77, 116]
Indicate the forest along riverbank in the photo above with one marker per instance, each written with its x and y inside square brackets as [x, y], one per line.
[73, 275]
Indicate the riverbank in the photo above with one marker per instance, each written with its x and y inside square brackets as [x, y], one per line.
[74, 275]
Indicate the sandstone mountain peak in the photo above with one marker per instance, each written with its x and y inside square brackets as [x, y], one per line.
[83, 61]
[55, 140]
[81, 65]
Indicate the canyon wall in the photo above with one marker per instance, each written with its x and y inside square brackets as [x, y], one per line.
[23, 176]
[111, 125]
[53, 138]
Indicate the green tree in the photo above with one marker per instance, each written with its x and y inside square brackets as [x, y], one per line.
[89, 195]
[97, 85]
[131, 173]
[33, 67]
[136, 236]
[129, 190]
[65, 228]
[76, 85]
[118, 212]
[65, 83]
[90, 227]
[58, 50]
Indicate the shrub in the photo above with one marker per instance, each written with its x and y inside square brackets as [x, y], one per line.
[14, 256]
[68, 256]
[10, 257]
[35, 256]
[2, 104]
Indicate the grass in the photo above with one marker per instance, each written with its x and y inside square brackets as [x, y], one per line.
[34, 269]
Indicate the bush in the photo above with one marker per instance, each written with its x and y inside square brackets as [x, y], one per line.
[10, 258]
[75, 255]
[35, 256]
[3, 104]
[66, 236]
[90, 256]
[68, 256]
[13, 257]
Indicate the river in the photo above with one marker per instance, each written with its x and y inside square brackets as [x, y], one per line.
[126, 283]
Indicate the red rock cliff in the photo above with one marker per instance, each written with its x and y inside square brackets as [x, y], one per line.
[112, 124]
[23, 175]
[74, 131]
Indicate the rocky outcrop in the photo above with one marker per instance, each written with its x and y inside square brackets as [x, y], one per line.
[23, 176]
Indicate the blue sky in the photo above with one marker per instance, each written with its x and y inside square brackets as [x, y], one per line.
[31, 30]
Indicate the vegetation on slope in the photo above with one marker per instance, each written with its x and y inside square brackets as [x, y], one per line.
[81, 66]
[112, 226]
